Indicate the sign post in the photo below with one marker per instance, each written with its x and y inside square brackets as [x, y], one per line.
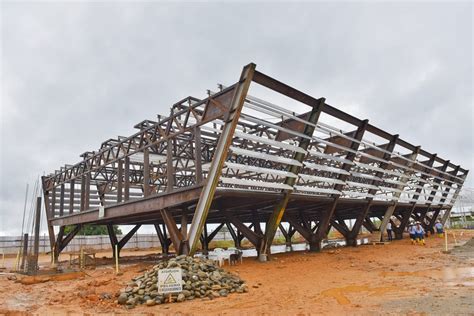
[170, 281]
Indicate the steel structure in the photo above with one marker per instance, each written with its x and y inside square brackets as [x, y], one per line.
[239, 160]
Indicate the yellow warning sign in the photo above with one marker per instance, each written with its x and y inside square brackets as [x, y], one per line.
[170, 280]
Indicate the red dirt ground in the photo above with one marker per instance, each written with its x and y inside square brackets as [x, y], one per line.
[397, 278]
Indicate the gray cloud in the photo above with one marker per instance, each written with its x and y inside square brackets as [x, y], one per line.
[75, 74]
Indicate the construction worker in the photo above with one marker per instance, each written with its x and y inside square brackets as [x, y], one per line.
[389, 231]
[411, 231]
[419, 233]
[439, 228]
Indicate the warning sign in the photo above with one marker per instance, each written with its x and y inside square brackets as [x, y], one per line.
[169, 280]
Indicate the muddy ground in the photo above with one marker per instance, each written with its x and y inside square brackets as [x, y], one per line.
[392, 279]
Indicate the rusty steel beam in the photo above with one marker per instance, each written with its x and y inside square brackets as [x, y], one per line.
[252, 236]
[350, 156]
[179, 243]
[456, 193]
[390, 209]
[351, 239]
[277, 214]
[134, 207]
[163, 239]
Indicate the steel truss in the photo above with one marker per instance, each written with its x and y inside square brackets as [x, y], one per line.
[237, 160]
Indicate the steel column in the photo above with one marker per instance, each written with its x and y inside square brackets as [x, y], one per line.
[220, 155]
[389, 212]
[71, 196]
[197, 154]
[126, 175]
[277, 214]
[326, 219]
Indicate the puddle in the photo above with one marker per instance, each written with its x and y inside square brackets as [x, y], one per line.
[421, 273]
[458, 276]
[20, 301]
[451, 276]
[340, 294]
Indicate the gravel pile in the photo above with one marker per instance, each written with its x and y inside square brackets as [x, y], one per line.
[201, 279]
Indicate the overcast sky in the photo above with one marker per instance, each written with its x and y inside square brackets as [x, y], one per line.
[75, 74]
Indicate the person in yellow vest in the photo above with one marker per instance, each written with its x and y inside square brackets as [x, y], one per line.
[419, 234]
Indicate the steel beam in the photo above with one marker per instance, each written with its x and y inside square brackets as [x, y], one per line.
[126, 185]
[61, 200]
[350, 156]
[179, 243]
[220, 155]
[146, 172]
[197, 154]
[161, 237]
[147, 206]
[71, 196]
[169, 166]
[454, 198]
[253, 237]
[119, 180]
[277, 214]
[351, 239]
[120, 244]
[389, 212]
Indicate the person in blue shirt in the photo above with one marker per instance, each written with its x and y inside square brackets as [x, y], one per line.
[420, 234]
[439, 228]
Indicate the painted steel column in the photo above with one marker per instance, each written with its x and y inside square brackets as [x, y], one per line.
[222, 148]
[389, 212]
[277, 214]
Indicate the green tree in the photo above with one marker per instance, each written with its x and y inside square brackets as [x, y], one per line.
[89, 230]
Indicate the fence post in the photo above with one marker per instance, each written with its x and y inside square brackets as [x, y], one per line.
[116, 259]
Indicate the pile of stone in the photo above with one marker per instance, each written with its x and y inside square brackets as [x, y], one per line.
[201, 278]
